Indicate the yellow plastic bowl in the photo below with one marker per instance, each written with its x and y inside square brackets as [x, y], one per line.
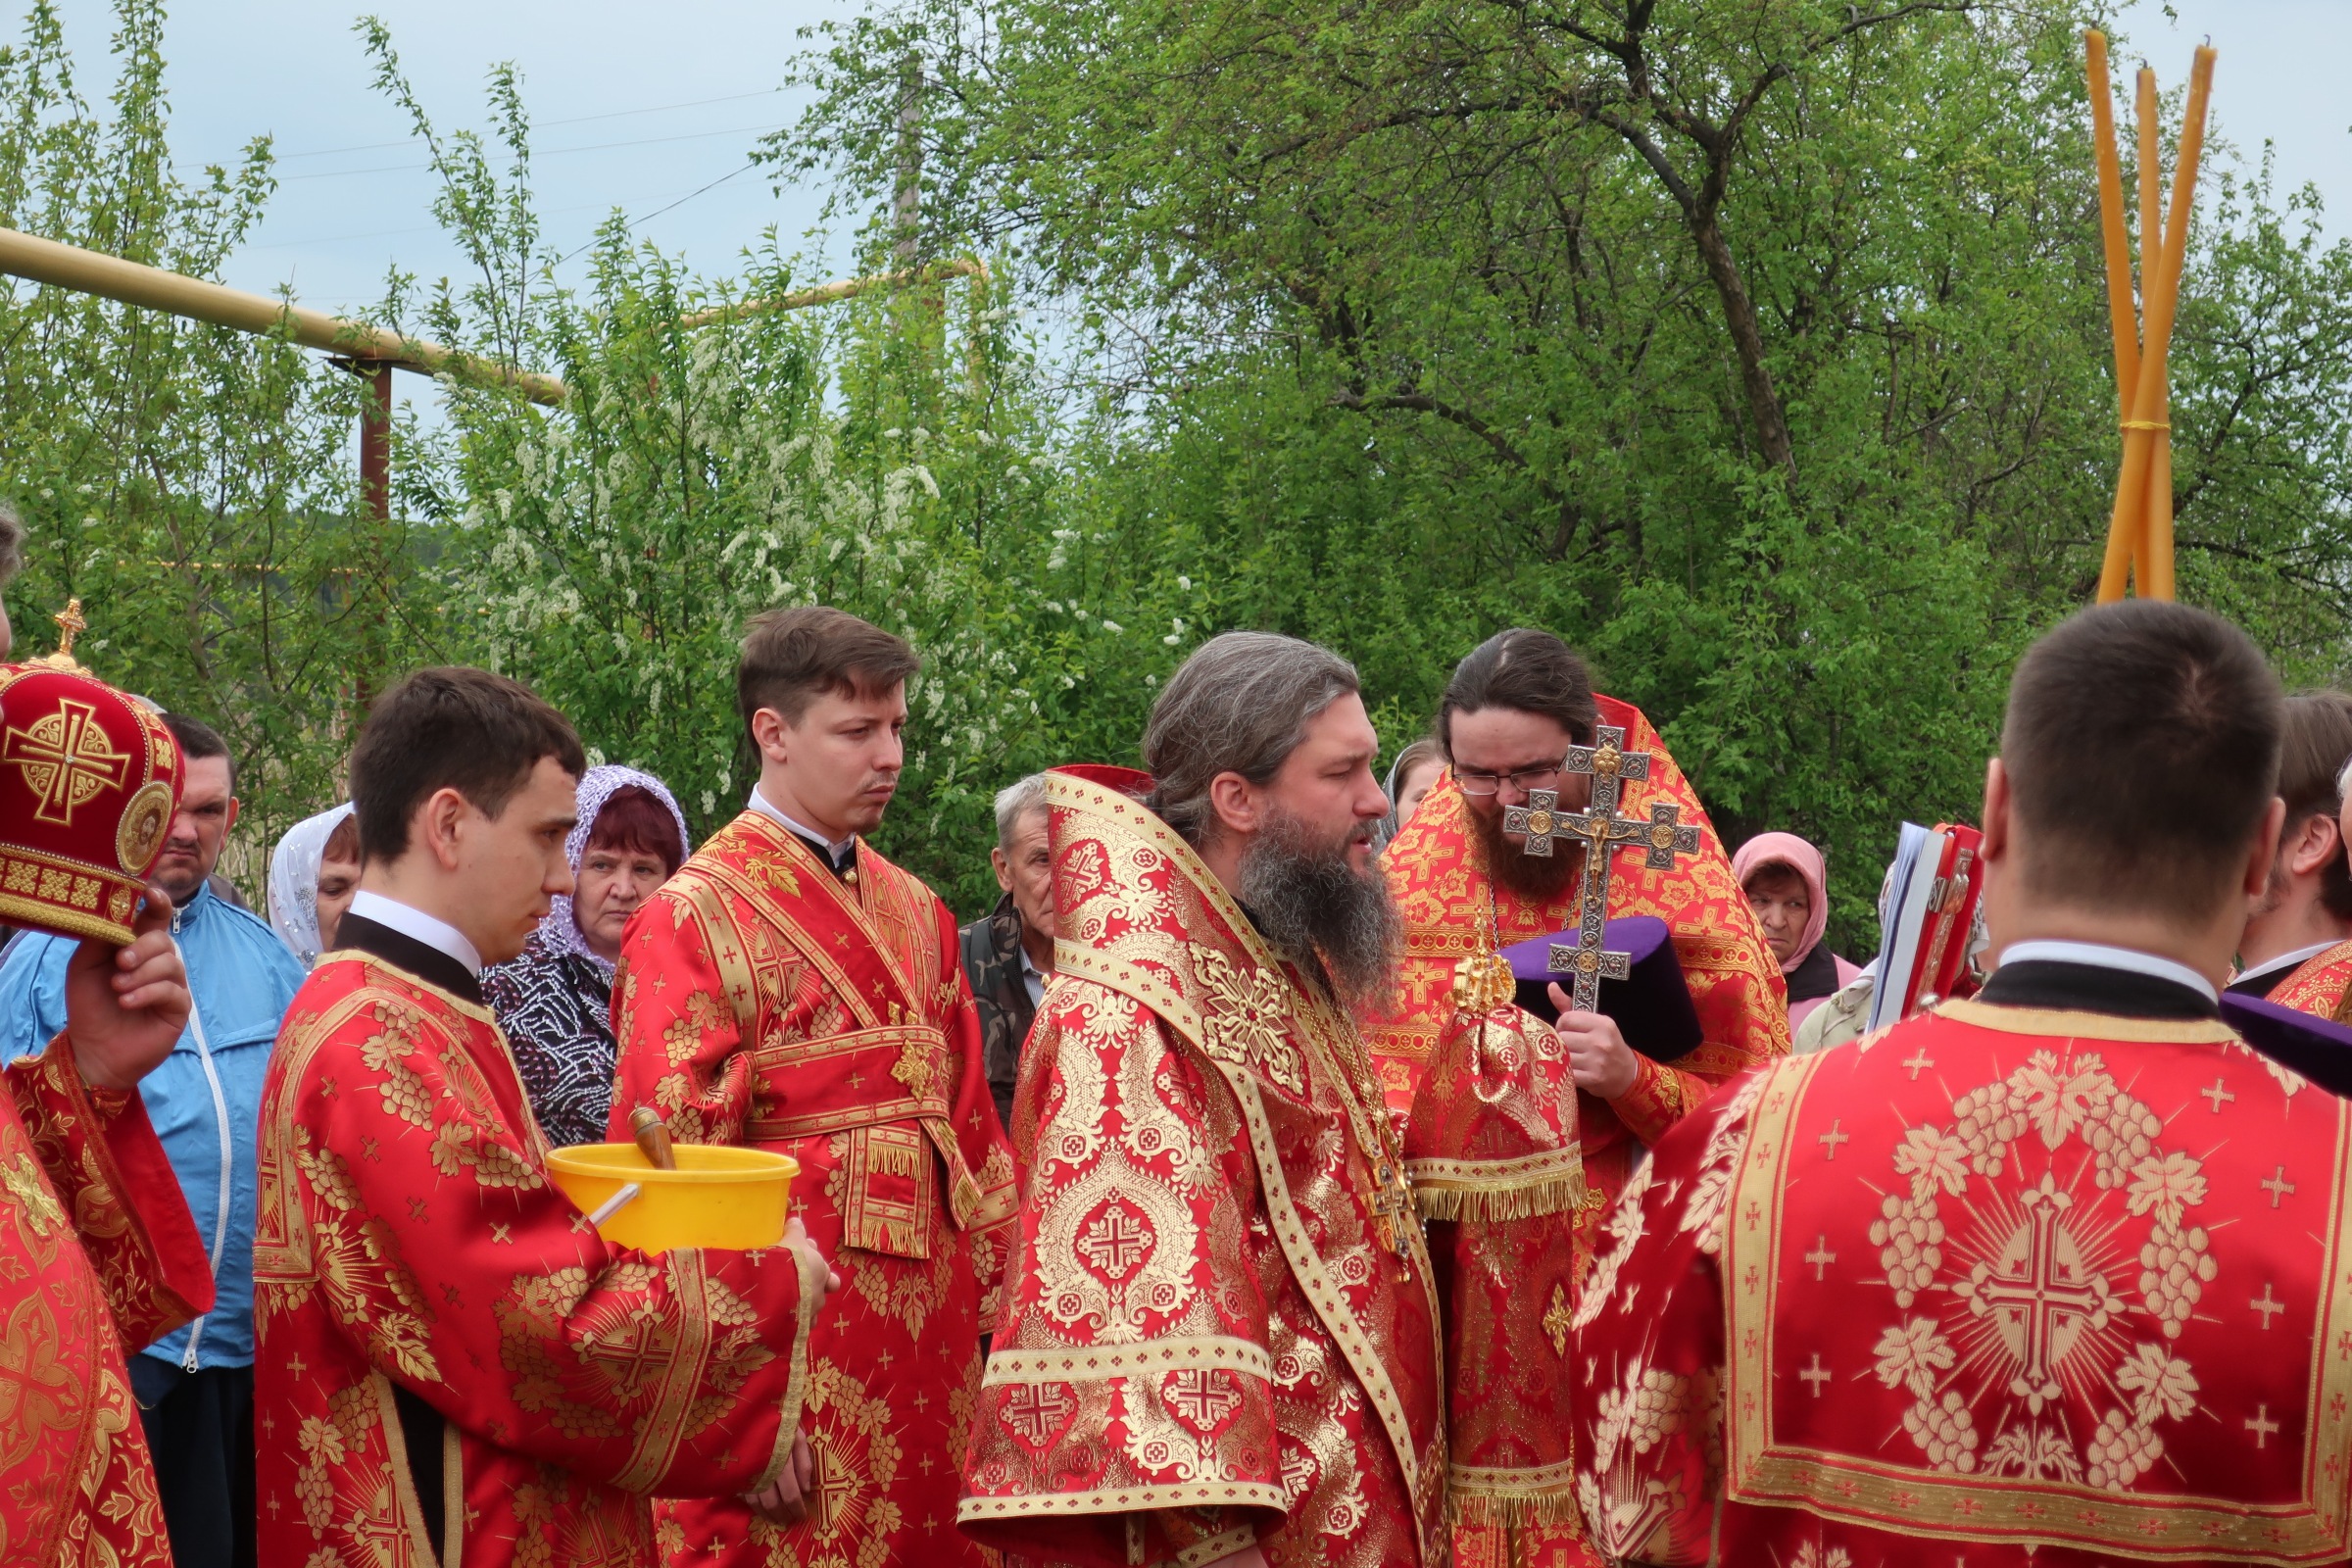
[717, 1196]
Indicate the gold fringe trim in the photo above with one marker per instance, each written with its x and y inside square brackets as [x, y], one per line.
[1554, 1195]
[1511, 1510]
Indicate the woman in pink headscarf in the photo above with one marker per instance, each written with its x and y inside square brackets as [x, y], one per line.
[1786, 885]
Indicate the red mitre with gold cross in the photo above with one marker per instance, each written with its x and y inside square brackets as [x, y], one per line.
[89, 778]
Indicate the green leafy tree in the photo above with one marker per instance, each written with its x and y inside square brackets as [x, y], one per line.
[1758, 347]
[713, 457]
[192, 486]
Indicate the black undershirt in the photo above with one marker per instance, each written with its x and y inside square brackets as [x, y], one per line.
[2095, 988]
[2263, 984]
[1815, 976]
[404, 951]
[823, 851]
[421, 1425]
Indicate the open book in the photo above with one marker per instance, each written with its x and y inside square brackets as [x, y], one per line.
[1931, 908]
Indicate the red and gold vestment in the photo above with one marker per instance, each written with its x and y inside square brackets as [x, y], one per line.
[100, 1259]
[2319, 984]
[1510, 1340]
[1220, 1324]
[762, 1001]
[408, 1240]
[1998, 1285]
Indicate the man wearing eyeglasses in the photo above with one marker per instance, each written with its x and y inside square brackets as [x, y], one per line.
[1468, 887]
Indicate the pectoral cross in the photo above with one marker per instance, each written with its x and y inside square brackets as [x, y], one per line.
[1391, 1205]
[1604, 833]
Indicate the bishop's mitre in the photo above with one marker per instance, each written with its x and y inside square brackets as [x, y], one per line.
[89, 778]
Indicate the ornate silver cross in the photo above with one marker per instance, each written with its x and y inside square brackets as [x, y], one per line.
[1602, 832]
[1540, 819]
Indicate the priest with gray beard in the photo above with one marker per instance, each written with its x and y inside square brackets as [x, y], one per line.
[1220, 1333]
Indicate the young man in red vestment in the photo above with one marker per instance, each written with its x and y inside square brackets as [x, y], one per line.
[1507, 722]
[2053, 1276]
[791, 988]
[2297, 950]
[1220, 1342]
[453, 1366]
[98, 1253]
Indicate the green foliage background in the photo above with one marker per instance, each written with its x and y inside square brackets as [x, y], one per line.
[1758, 347]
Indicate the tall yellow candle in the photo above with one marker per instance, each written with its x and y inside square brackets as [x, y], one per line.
[2151, 181]
[2130, 549]
[2154, 402]
[2133, 494]
[2152, 247]
[2122, 314]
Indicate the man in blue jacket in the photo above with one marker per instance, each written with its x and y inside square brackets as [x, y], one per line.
[195, 1385]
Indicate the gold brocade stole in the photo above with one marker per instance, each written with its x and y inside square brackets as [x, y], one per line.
[884, 1085]
[1227, 995]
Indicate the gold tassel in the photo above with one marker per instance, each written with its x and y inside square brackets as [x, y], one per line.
[1553, 1195]
[1511, 1510]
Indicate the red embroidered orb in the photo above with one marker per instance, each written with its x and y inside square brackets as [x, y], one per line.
[88, 781]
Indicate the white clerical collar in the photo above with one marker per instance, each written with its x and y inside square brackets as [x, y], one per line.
[766, 807]
[2099, 956]
[413, 923]
[2285, 960]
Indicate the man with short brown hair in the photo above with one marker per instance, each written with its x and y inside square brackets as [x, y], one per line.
[790, 989]
[453, 1363]
[2051, 1275]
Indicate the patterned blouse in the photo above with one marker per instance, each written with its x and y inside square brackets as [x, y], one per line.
[557, 1011]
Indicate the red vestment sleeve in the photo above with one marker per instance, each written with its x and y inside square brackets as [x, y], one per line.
[110, 1172]
[447, 1257]
[1660, 1097]
[1649, 1341]
[688, 1061]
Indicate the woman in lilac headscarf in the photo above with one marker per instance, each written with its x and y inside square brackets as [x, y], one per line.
[555, 998]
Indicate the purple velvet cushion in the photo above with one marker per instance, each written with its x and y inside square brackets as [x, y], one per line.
[2317, 1048]
[1653, 1007]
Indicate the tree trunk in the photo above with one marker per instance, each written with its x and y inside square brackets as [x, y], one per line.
[906, 206]
[1747, 342]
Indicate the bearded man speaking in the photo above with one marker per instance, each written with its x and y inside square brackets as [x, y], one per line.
[1220, 1334]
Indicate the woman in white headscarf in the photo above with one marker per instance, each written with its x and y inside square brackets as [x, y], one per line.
[312, 878]
[555, 998]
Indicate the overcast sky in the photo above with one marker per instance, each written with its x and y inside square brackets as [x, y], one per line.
[635, 107]
[640, 106]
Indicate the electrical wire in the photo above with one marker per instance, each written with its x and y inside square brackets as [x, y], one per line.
[576, 120]
[746, 167]
[552, 152]
[552, 211]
